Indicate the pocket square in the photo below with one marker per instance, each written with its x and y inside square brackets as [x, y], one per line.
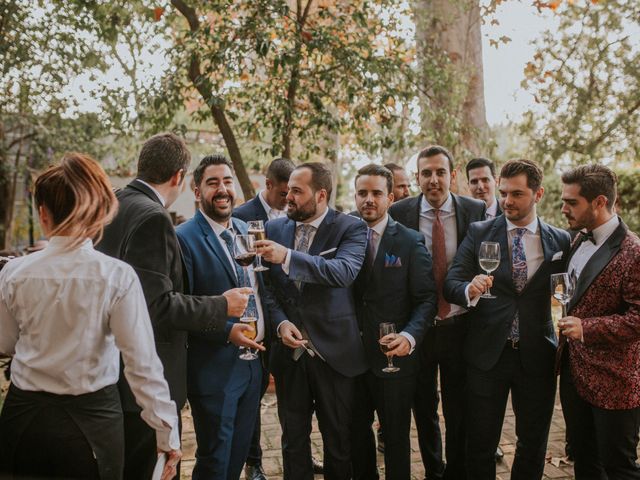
[328, 251]
[557, 256]
[392, 261]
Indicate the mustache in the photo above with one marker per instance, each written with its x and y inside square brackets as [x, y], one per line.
[222, 196]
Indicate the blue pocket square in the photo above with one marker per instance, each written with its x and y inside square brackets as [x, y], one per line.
[392, 261]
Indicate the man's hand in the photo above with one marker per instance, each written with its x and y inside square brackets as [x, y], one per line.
[237, 299]
[236, 336]
[172, 457]
[571, 327]
[479, 285]
[291, 336]
[399, 346]
[271, 251]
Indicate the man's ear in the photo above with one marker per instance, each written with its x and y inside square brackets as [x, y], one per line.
[177, 178]
[268, 184]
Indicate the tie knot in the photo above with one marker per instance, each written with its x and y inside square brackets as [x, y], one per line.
[520, 232]
[227, 236]
[305, 228]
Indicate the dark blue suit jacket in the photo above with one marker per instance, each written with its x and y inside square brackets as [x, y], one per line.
[251, 210]
[490, 320]
[324, 305]
[399, 288]
[209, 363]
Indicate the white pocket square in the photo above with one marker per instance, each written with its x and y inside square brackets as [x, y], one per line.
[328, 251]
[556, 256]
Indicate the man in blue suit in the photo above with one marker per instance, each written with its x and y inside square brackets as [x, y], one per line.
[271, 202]
[315, 255]
[223, 390]
[511, 343]
[395, 285]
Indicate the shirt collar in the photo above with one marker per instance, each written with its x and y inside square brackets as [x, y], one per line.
[217, 228]
[604, 231]
[447, 206]
[380, 227]
[62, 242]
[316, 223]
[532, 227]
[493, 209]
[160, 197]
[265, 205]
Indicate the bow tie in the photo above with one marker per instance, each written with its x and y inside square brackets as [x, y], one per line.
[586, 236]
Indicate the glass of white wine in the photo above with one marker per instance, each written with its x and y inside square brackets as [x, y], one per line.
[249, 317]
[256, 228]
[489, 259]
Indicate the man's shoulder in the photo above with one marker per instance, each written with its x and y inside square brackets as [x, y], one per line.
[559, 233]
[250, 210]
[407, 234]
[404, 205]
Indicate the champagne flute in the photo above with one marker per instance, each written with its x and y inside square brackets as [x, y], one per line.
[249, 317]
[387, 329]
[562, 289]
[256, 228]
[489, 259]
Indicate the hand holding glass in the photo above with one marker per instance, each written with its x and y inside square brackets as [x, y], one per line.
[489, 259]
[387, 335]
[256, 228]
[244, 255]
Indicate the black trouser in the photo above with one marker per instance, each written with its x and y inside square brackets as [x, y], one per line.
[603, 442]
[44, 435]
[532, 398]
[442, 350]
[255, 451]
[391, 397]
[303, 387]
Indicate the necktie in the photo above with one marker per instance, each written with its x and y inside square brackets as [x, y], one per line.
[518, 275]
[243, 280]
[303, 244]
[439, 249]
[371, 246]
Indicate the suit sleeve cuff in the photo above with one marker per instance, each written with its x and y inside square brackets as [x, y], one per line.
[287, 261]
[412, 341]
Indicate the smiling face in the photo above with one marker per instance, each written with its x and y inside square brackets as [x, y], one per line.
[435, 177]
[372, 198]
[482, 185]
[517, 200]
[216, 193]
[303, 204]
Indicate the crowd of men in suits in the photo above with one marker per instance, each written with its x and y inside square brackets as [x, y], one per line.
[333, 278]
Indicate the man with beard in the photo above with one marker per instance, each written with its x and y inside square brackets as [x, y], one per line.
[223, 389]
[401, 183]
[314, 256]
[511, 342]
[600, 339]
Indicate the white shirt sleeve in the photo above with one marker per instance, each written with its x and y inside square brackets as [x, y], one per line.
[287, 261]
[412, 341]
[133, 334]
[8, 327]
[470, 303]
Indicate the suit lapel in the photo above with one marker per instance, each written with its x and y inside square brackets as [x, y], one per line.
[322, 235]
[498, 234]
[597, 262]
[259, 211]
[549, 248]
[412, 213]
[218, 249]
[462, 219]
[386, 245]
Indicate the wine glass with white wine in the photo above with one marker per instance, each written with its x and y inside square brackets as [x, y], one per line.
[489, 259]
[256, 228]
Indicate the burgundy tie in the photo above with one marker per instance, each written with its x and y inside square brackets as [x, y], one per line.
[371, 247]
[439, 263]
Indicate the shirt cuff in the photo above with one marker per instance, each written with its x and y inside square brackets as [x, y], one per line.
[278, 327]
[470, 303]
[168, 438]
[412, 341]
[287, 261]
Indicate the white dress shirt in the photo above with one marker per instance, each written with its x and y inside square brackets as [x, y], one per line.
[586, 249]
[492, 210]
[448, 218]
[312, 234]
[218, 229]
[272, 213]
[66, 315]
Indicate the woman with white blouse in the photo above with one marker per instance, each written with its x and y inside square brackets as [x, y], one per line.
[66, 314]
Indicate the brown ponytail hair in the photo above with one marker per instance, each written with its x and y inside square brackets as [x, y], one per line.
[77, 193]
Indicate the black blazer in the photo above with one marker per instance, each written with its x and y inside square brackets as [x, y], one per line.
[489, 322]
[251, 210]
[468, 210]
[399, 288]
[143, 236]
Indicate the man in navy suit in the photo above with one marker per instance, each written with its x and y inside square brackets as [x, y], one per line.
[271, 202]
[481, 178]
[511, 343]
[223, 390]
[395, 285]
[315, 255]
[443, 218]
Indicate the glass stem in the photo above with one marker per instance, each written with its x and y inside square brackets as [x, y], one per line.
[390, 361]
[564, 310]
[259, 260]
[488, 292]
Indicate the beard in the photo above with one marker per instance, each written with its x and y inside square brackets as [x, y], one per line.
[303, 212]
[214, 213]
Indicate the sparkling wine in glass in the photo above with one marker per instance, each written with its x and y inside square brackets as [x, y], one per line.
[256, 228]
[489, 259]
[562, 289]
[250, 317]
[388, 335]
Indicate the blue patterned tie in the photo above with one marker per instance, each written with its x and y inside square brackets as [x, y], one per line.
[518, 274]
[243, 280]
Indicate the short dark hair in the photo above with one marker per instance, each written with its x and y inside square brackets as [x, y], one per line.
[594, 180]
[215, 159]
[320, 177]
[479, 163]
[432, 151]
[161, 157]
[378, 171]
[280, 169]
[521, 166]
[394, 167]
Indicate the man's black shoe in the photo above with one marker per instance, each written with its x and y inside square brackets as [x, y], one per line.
[318, 467]
[254, 472]
[499, 455]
